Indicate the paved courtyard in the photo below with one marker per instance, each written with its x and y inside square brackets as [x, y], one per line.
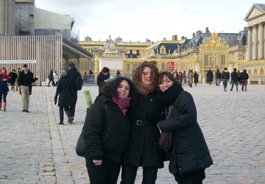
[34, 149]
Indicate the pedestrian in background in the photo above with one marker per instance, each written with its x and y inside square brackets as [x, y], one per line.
[180, 78]
[196, 78]
[143, 149]
[189, 153]
[225, 78]
[72, 75]
[184, 78]
[244, 78]
[55, 77]
[234, 79]
[209, 76]
[50, 77]
[13, 76]
[107, 131]
[190, 75]
[118, 74]
[217, 77]
[25, 84]
[4, 79]
[65, 92]
[16, 83]
[102, 79]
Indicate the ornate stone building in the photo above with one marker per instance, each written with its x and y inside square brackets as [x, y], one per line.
[255, 62]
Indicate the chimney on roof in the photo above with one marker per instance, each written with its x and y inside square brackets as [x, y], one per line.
[164, 39]
[175, 37]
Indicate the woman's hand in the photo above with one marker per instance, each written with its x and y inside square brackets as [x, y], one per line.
[97, 162]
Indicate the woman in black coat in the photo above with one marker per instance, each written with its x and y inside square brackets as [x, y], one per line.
[143, 149]
[65, 91]
[189, 155]
[107, 131]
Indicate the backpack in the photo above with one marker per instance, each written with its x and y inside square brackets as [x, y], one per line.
[78, 82]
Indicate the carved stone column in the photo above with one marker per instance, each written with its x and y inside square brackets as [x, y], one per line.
[255, 43]
[261, 43]
[249, 48]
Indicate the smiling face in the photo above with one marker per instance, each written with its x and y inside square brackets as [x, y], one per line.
[123, 89]
[165, 83]
[147, 76]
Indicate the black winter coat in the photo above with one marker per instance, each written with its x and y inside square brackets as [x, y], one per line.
[143, 149]
[190, 152]
[234, 76]
[106, 131]
[65, 91]
[26, 80]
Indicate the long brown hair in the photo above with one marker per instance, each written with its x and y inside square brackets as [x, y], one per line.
[137, 77]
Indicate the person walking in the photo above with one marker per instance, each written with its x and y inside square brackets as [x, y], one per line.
[190, 75]
[50, 77]
[73, 74]
[189, 155]
[180, 78]
[25, 84]
[107, 131]
[143, 149]
[55, 77]
[65, 92]
[225, 78]
[209, 76]
[184, 78]
[217, 77]
[196, 78]
[16, 83]
[102, 79]
[244, 78]
[13, 76]
[234, 79]
[4, 79]
[118, 74]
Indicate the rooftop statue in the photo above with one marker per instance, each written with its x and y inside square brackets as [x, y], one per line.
[110, 45]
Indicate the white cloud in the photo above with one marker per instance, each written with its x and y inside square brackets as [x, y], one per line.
[153, 19]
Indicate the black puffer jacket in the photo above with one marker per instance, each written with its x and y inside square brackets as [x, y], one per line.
[143, 149]
[106, 131]
[65, 91]
[190, 152]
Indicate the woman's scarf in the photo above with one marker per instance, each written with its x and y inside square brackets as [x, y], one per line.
[169, 96]
[123, 103]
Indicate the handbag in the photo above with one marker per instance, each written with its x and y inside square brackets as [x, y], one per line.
[165, 139]
[80, 146]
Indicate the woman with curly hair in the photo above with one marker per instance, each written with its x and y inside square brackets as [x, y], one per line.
[107, 131]
[143, 150]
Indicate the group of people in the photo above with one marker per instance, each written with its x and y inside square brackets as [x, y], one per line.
[237, 78]
[123, 126]
[187, 79]
[23, 81]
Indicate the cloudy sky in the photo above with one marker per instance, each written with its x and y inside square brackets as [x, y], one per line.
[138, 20]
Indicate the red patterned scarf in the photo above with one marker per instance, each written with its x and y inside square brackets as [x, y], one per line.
[123, 103]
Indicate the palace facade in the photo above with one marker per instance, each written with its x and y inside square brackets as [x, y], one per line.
[203, 51]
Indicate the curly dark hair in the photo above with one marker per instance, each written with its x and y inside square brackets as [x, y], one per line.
[137, 74]
[110, 90]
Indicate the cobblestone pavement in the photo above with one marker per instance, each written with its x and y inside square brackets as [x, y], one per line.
[34, 149]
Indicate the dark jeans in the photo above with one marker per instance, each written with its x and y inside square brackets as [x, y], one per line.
[4, 94]
[106, 173]
[129, 173]
[236, 84]
[244, 85]
[61, 113]
[72, 107]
